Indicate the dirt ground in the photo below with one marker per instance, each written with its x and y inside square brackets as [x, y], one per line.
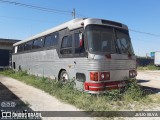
[31, 98]
[149, 78]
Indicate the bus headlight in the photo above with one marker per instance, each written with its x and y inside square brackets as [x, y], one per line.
[99, 76]
[132, 73]
[104, 75]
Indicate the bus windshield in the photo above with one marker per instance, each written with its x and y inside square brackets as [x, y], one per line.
[101, 39]
[123, 41]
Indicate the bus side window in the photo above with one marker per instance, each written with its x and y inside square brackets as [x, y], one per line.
[48, 41]
[79, 43]
[66, 46]
[38, 43]
[28, 45]
[55, 38]
[51, 40]
[20, 48]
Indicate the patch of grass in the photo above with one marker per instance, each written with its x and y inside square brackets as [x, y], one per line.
[148, 67]
[130, 98]
[133, 92]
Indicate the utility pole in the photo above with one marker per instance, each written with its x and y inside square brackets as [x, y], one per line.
[74, 13]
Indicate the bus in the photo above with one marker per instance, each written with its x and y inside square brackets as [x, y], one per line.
[96, 54]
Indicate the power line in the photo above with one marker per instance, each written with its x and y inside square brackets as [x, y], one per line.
[21, 18]
[73, 13]
[148, 41]
[37, 7]
[80, 15]
[147, 33]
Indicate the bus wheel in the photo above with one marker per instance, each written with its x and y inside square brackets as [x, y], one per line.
[19, 68]
[64, 77]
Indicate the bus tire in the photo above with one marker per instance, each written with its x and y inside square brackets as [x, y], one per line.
[64, 77]
[19, 68]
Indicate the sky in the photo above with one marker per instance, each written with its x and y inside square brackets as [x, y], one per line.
[19, 22]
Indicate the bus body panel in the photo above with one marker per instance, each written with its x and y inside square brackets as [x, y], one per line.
[50, 62]
[43, 63]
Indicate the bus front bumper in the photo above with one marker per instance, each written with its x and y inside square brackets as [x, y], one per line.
[102, 87]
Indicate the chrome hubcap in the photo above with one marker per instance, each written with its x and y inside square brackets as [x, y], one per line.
[65, 76]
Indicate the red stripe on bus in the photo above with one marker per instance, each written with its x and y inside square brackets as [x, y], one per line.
[102, 86]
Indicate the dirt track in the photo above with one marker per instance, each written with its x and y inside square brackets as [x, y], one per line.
[37, 99]
[149, 78]
[41, 101]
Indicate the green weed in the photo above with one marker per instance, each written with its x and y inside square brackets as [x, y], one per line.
[131, 97]
[148, 67]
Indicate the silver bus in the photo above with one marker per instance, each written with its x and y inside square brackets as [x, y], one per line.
[96, 54]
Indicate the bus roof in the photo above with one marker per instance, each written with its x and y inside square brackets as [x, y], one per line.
[73, 24]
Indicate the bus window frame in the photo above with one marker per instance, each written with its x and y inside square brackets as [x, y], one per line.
[31, 41]
[70, 54]
[78, 31]
[55, 41]
[37, 39]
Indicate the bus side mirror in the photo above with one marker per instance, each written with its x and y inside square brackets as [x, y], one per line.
[81, 40]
